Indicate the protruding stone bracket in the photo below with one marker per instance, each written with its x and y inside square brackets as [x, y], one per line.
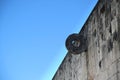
[76, 43]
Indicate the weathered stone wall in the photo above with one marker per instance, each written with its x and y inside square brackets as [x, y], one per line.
[101, 61]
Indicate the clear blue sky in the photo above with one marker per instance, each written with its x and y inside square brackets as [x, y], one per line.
[33, 34]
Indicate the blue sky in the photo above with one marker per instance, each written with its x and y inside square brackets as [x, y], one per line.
[33, 34]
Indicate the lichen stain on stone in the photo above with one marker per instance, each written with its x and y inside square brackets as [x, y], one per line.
[104, 48]
[110, 45]
[102, 10]
[90, 77]
[94, 33]
[115, 36]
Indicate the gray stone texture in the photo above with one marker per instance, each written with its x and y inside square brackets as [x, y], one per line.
[101, 61]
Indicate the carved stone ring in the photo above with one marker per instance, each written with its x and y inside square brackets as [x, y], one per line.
[75, 43]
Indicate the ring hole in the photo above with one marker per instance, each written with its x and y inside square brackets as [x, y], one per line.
[76, 43]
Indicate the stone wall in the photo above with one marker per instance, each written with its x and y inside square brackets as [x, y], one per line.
[101, 61]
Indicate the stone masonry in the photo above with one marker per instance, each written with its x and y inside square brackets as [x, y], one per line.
[101, 61]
